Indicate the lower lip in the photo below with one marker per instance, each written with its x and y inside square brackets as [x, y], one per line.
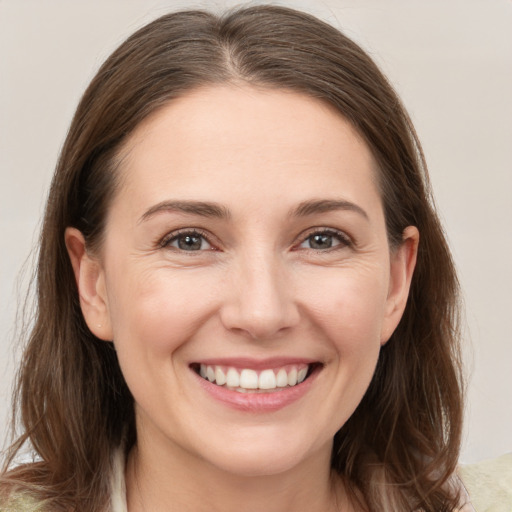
[258, 402]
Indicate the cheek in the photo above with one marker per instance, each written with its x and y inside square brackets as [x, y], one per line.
[157, 310]
[349, 305]
[154, 314]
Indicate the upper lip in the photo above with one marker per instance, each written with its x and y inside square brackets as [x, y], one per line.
[254, 364]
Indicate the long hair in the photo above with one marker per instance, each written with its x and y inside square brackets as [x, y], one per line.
[401, 445]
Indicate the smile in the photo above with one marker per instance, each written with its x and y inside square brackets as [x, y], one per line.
[253, 386]
[247, 380]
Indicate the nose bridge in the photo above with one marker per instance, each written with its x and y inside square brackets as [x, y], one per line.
[262, 303]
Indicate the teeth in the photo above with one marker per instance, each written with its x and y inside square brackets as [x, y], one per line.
[292, 377]
[267, 380]
[232, 378]
[249, 380]
[282, 378]
[220, 376]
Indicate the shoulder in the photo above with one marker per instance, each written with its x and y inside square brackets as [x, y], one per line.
[489, 484]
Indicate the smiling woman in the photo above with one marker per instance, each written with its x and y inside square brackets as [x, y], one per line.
[255, 302]
[250, 284]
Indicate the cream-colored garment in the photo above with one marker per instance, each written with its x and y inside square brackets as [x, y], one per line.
[22, 503]
[118, 498]
[489, 484]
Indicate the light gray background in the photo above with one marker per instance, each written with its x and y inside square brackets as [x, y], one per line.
[450, 60]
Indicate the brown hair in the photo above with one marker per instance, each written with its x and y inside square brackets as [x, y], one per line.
[401, 445]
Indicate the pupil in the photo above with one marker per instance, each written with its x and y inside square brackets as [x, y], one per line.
[189, 243]
[321, 242]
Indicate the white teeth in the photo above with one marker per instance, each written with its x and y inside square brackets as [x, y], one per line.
[232, 378]
[248, 380]
[282, 378]
[210, 373]
[292, 377]
[267, 380]
[301, 375]
[220, 376]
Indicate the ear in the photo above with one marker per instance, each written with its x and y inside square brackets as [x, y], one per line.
[402, 264]
[90, 281]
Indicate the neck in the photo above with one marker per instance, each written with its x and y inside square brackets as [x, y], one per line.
[175, 479]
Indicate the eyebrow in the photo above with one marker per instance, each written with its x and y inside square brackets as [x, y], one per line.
[201, 208]
[326, 205]
[215, 210]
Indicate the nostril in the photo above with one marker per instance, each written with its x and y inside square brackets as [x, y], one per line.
[259, 323]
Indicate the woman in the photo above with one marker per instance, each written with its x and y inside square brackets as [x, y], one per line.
[245, 295]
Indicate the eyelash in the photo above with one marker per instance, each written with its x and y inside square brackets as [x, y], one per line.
[342, 238]
[191, 232]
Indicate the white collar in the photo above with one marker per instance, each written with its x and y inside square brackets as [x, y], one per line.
[117, 484]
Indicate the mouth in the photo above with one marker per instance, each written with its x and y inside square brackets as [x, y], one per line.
[250, 380]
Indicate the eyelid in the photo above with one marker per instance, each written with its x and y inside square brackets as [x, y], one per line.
[346, 240]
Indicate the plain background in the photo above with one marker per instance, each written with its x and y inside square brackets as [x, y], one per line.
[451, 62]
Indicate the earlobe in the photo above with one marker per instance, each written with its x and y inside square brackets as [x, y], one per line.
[90, 281]
[402, 265]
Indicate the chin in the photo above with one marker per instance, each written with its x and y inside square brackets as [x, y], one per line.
[253, 465]
[278, 454]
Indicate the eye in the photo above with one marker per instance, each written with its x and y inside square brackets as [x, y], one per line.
[324, 240]
[190, 241]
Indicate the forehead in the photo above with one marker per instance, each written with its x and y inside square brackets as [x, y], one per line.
[232, 141]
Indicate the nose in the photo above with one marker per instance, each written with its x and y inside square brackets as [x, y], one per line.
[261, 303]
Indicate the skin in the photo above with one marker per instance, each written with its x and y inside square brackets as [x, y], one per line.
[257, 287]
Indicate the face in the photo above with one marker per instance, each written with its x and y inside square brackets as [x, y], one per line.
[246, 279]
